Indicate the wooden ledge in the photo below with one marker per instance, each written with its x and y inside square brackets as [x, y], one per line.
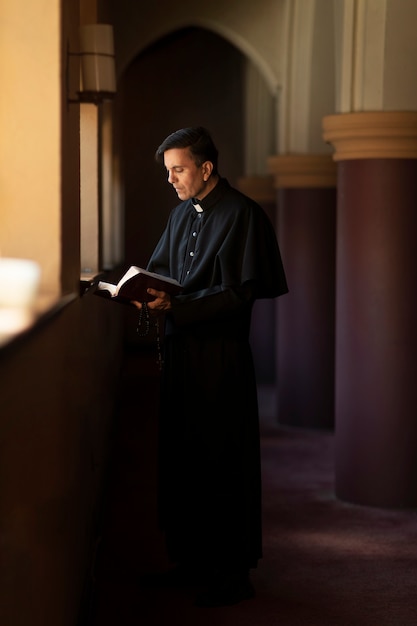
[26, 321]
[372, 135]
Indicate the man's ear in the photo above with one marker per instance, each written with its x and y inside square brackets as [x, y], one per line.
[207, 169]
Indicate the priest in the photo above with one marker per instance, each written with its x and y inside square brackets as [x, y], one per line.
[221, 246]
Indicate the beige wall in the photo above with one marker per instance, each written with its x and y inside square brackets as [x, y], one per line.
[30, 131]
[400, 85]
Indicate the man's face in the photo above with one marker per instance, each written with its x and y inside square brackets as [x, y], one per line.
[188, 179]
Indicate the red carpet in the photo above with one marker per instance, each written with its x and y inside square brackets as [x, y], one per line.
[326, 563]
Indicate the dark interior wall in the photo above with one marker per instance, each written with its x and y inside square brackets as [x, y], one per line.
[57, 389]
[189, 78]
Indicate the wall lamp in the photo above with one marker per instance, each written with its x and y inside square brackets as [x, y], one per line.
[97, 65]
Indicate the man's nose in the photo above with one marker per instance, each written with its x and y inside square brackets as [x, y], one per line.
[171, 177]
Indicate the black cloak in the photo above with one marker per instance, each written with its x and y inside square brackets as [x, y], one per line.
[226, 256]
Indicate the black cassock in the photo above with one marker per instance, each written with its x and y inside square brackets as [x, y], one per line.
[226, 256]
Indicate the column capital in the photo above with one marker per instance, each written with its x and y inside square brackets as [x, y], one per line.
[372, 135]
[303, 170]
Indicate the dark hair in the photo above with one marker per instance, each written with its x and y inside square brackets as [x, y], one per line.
[197, 139]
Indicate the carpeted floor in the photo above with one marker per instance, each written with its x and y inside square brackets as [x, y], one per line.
[326, 563]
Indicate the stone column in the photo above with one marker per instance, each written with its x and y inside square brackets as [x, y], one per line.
[305, 344]
[376, 307]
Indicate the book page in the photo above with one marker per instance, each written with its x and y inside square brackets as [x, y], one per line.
[103, 286]
[132, 271]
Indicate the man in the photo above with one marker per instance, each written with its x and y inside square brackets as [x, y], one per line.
[222, 247]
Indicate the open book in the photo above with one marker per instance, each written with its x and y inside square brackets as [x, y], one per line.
[135, 282]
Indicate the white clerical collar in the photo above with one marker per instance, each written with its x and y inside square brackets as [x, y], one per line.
[197, 205]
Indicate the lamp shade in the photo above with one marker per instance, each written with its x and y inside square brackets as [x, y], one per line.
[98, 73]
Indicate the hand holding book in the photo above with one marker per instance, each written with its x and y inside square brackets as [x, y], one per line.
[134, 285]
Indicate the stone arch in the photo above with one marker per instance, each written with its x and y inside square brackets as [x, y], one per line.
[228, 34]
